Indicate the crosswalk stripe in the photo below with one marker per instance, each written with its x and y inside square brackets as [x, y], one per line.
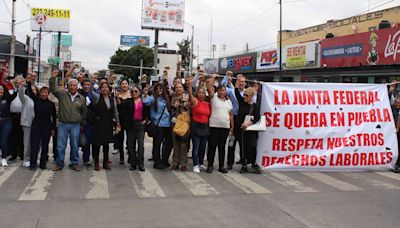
[333, 182]
[394, 176]
[38, 186]
[244, 183]
[197, 185]
[5, 173]
[289, 182]
[98, 186]
[374, 182]
[145, 184]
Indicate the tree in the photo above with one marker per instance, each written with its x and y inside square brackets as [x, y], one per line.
[184, 49]
[132, 57]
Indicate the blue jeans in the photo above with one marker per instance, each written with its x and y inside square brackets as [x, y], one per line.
[64, 130]
[5, 129]
[199, 149]
[88, 131]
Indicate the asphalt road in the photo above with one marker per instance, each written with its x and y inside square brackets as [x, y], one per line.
[122, 198]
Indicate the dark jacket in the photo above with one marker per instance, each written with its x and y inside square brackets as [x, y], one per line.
[104, 120]
[5, 102]
[126, 112]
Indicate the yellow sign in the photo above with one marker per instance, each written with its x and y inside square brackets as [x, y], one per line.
[52, 13]
[296, 56]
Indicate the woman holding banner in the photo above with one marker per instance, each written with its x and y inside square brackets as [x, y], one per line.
[249, 114]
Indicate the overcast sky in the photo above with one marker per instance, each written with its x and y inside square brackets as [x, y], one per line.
[96, 26]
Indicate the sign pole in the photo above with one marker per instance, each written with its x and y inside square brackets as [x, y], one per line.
[280, 38]
[40, 46]
[58, 49]
[155, 52]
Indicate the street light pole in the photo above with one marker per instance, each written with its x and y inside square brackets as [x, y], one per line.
[12, 41]
[191, 52]
[155, 52]
[280, 38]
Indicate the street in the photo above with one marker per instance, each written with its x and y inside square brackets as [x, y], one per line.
[122, 198]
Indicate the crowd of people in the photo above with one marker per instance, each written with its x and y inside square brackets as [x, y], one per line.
[196, 115]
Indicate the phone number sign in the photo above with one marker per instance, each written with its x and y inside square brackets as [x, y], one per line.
[57, 20]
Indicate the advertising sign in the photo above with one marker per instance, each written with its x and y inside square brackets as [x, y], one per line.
[50, 20]
[211, 66]
[326, 127]
[130, 41]
[238, 64]
[163, 15]
[381, 47]
[301, 55]
[66, 40]
[268, 60]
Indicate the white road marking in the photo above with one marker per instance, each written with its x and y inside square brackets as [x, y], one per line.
[333, 182]
[394, 176]
[244, 183]
[145, 184]
[374, 182]
[98, 186]
[38, 186]
[6, 172]
[289, 182]
[197, 185]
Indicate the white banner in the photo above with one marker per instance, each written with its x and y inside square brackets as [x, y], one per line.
[50, 20]
[327, 127]
[163, 15]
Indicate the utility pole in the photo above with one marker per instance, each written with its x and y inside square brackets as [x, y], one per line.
[58, 49]
[40, 47]
[280, 38]
[155, 52]
[191, 52]
[12, 41]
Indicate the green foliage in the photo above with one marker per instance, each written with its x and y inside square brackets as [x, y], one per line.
[132, 57]
[184, 49]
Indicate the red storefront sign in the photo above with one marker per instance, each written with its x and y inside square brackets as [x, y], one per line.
[381, 47]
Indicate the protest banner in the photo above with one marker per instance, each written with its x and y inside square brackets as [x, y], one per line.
[327, 127]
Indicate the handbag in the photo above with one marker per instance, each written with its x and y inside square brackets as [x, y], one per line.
[151, 128]
[259, 126]
[200, 129]
[181, 127]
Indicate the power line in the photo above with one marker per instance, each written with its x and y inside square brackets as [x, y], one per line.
[28, 5]
[8, 9]
[375, 7]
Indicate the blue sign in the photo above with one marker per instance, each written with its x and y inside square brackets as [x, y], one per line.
[130, 41]
[343, 51]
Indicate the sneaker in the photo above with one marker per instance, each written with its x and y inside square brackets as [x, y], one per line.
[74, 167]
[11, 159]
[230, 167]
[222, 170]
[256, 169]
[396, 169]
[116, 151]
[243, 169]
[26, 164]
[4, 162]
[196, 169]
[209, 169]
[203, 167]
[57, 168]
[88, 164]
[141, 169]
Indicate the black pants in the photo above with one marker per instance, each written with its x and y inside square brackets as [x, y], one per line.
[238, 138]
[249, 142]
[96, 152]
[398, 158]
[40, 138]
[120, 144]
[163, 135]
[216, 139]
[137, 135]
[16, 144]
[55, 151]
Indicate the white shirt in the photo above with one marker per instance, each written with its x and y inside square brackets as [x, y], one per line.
[73, 96]
[220, 109]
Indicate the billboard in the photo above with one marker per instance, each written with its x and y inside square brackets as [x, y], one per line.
[163, 14]
[245, 63]
[301, 55]
[211, 66]
[268, 60]
[130, 41]
[50, 20]
[381, 47]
